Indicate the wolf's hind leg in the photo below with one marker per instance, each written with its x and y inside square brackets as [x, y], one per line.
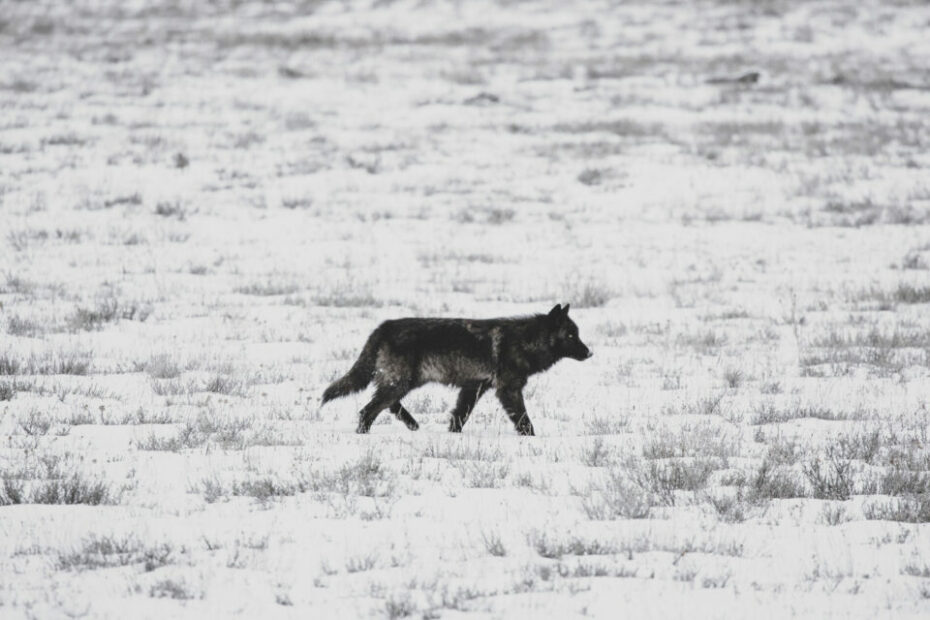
[404, 416]
[384, 397]
[468, 398]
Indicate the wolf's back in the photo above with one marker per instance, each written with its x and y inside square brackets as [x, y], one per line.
[360, 375]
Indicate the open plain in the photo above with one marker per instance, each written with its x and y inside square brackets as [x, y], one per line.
[205, 207]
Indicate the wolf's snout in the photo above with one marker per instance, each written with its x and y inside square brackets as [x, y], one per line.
[589, 355]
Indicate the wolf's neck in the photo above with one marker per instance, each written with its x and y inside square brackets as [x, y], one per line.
[538, 355]
[540, 362]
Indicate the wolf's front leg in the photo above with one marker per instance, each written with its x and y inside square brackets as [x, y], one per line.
[468, 398]
[511, 398]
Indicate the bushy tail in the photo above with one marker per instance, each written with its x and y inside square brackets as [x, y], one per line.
[359, 376]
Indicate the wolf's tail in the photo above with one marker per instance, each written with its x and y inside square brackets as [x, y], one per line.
[360, 375]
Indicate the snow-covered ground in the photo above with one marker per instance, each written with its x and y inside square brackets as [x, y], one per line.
[206, 208]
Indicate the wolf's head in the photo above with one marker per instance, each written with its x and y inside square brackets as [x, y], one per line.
[566, 341]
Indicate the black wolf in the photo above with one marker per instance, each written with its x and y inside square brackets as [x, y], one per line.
[472, 354]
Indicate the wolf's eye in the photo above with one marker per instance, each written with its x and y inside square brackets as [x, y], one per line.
[571, 336]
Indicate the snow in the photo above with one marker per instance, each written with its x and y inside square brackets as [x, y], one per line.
[207, 208]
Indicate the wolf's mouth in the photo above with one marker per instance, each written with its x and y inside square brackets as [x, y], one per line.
[583, 355]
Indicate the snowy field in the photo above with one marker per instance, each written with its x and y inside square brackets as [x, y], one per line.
[208, 206]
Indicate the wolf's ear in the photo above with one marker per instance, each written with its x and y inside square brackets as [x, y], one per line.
[556, 312]
[565, 309]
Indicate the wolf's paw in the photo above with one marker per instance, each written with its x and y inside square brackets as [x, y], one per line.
[413, 425]
[362, 429]
[526, 430]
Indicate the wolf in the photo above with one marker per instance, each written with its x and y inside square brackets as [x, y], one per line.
[474, 355]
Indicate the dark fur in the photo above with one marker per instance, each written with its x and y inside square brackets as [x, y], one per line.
[472, 354]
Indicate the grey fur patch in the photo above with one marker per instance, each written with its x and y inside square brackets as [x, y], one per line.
[452, 369]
